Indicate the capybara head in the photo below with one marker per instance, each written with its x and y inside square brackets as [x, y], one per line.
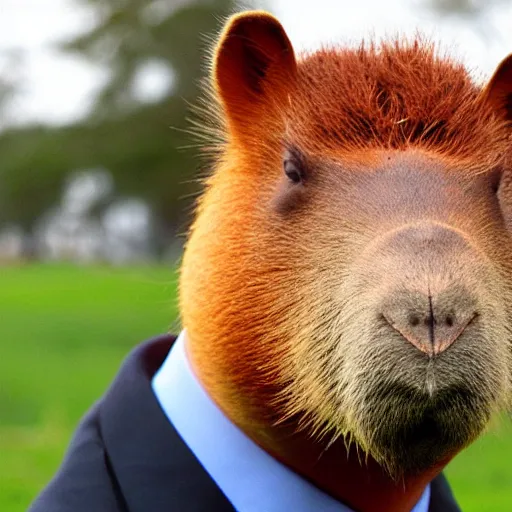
[350, 266]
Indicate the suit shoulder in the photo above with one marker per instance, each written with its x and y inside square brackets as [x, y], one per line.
[84, 482]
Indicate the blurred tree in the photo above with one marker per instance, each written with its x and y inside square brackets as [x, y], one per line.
[136, 135]
[132, 33]
[463, 8]
[9, 76]
[471, 11]
[6, 89]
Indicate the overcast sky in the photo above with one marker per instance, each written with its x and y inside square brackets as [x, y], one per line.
[58, 88]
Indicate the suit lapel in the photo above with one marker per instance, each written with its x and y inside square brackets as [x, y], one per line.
[441, 497]
[155, 470]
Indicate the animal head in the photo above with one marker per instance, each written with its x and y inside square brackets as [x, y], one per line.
[349, 270]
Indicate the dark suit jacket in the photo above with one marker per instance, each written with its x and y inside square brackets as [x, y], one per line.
[126, 457]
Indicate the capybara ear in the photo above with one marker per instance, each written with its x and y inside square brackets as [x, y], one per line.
[498, 92]
[254, 70]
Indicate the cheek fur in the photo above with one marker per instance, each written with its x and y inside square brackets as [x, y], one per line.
[291, 325]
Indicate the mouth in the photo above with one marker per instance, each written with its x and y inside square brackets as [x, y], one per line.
[433, 418]
[412, 431]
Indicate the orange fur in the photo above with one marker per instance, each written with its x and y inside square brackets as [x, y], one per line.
[342, 103]
[394, 96]
[266, 288]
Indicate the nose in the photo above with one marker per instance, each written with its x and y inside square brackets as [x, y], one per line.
[429, 327]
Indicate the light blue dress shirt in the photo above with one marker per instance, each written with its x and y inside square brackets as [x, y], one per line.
[250, 478]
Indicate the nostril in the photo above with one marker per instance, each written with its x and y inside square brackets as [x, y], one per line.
[414, 320]
[449, 320]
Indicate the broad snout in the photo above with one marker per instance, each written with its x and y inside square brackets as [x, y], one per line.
[430, 301]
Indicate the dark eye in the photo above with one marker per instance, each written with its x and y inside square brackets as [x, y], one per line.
[293, 169]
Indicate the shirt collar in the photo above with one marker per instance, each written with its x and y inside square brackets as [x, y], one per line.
[251, 479]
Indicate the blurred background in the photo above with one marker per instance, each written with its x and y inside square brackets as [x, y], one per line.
[97, 178]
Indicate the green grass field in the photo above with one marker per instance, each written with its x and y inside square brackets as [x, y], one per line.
[63, 334]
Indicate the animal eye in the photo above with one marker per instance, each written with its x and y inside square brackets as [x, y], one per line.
[293, 170]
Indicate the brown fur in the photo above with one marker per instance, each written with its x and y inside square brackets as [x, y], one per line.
[281, 286]
[394, 96]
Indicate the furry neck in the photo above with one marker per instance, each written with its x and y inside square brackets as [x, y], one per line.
[354, 479]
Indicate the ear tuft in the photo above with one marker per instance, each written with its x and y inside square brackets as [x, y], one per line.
[254, 66]
[498, 92]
